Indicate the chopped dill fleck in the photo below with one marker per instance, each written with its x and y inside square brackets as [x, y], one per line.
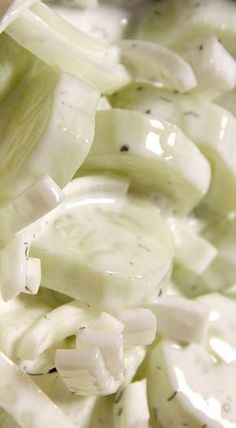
[191, 113]
[144, 248]
[172, 396]
[124, 148]
[118, 397]
[155, 413]
[165, 99]
[52, 370]
[119, 413]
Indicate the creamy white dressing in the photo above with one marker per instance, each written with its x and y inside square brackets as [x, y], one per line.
[106, 23]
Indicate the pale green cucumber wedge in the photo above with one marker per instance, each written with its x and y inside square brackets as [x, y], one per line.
[187, 388]
[48, 330]
[193, 115]
[78, 409]
[152, 23]
[175, 26]
[85, 412]
[58, 43]
[201, 378]
[214, 67]
[192, 251]
[150, 62]
[98, 247]
[222, 235]
[155, 155]
[18, 314]
[44, 115]
[228, 101]
[193, 285]
[221, 273]
[221, 339]
[106, 23]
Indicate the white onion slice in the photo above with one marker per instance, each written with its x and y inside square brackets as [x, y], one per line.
[84, 371]
[181, 319]
[139, 326]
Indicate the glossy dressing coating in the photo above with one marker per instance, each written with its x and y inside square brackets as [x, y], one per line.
[104, 240]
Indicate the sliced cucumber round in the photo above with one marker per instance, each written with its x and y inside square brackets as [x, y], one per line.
[154, 154]
[221, 339]
[193, 115]
[195, 385]
[148, 61]
[186, 388]
[104, 247]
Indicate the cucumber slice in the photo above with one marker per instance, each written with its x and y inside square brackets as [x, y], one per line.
[155, 155]
[85, 412]
[191, 250]
[16, 316]
[44, 116]
[221, 272]
[221, 339]
[198, 374]
[51, 328]
[28, 207]
[222, 234]
[99, 247]
[192, 285]
[105, 23]
[193, 115]
[57, 42]
[149, 62]
[78, 409]
[228, 101]
[175, 26]
[214, 67]
[153, 22]
[186, 388]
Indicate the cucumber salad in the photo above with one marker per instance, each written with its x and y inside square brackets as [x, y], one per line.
[117, 214]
